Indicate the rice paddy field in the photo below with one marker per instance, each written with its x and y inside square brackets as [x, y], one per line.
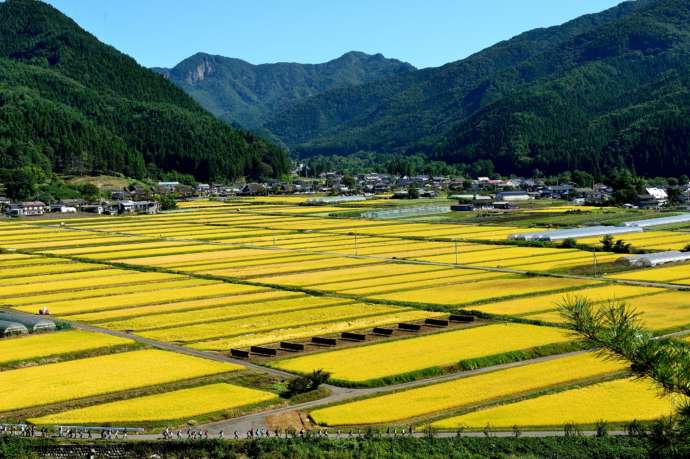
[394, 358]
[92, 376]
[430, 400]
[211, 280]
[179, 404]
[615, 402]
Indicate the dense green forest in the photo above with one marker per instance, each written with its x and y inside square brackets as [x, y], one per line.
[602, 91]
[239, 92]
[70, 104]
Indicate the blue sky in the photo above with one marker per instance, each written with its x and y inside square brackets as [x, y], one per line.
[425, 33]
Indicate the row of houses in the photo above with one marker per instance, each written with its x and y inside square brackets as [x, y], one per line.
[71, 206]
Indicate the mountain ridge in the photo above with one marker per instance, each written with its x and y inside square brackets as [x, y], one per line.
[71, 104]
[238, 91]
[423, 105]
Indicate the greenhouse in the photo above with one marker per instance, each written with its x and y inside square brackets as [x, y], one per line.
[407, 212]
[682, 218]
[12, 328]
[335, 199]
[31, 323]
[655, 259]
[575, 233]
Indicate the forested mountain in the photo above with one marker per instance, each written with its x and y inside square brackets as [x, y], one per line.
[69, 103]
[239, 92]
[601, 91]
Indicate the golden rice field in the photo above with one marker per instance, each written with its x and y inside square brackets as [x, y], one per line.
[200, 204]
[472, 390]
[180, 404]
[184, 291]
[615, 402]
[257, 324]
[537, 303]
[45, 298]
[182, 306]
[236, 311]
[306, 331]
[669, 274]
[290, 250]
[666, 311]
[445, 349]
[484, 290]
[74, 379]
[86, 282]
[68, 276]
[349, 274]
[54, 267]
[54, 344]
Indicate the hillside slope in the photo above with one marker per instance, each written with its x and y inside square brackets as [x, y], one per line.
[618, 96]
[237, 91]
[601, 91]
[69, 103]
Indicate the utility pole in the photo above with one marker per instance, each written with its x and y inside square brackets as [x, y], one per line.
[594, 256]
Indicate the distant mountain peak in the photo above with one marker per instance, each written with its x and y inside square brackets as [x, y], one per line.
[240, 92]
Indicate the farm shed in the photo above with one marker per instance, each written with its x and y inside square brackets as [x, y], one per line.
[32, 324]
[12, 328]
[682, 218]
[655, 259]
[575, 233]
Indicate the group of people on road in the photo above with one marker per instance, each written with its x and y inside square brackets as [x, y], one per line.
[262, 432]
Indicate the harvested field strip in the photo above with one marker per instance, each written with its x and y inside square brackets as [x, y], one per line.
[467, 391]
[257, 324]
[405, 356]
[306, 331]
[42, 346]
[180, 306]
[87, 282]
[178, 282]
[72, 306]
[484, 291]
[616, 402]
[539, 303]
[75, 379]
[234, 312]
[180, 404]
